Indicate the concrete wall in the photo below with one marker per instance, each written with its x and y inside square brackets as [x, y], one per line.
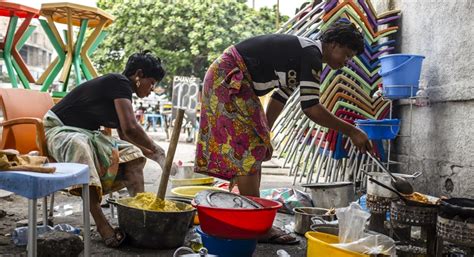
[442, 136]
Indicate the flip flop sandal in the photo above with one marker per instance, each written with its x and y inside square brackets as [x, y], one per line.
[116, 240]
[278, 239]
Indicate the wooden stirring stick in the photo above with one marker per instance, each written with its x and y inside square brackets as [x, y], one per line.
[170, 155]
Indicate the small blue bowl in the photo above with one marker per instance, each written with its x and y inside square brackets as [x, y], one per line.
[227, 247]
[379, 129]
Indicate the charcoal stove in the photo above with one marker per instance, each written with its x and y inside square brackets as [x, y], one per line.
[378, 207]
[455, 227]
[458, 232]
[405, 218]
[378, 204]
[413, 215]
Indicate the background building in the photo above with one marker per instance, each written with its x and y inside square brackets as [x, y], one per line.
[37, 52]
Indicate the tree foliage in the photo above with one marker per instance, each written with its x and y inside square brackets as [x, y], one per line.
[186, 34]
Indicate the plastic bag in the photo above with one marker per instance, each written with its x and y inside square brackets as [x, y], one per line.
[371, 244]
[289, 197]
[352, 221]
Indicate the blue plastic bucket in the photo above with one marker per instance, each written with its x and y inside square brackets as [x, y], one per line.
[379, 129]
[399, 91]
[400, 74]
[227, 247]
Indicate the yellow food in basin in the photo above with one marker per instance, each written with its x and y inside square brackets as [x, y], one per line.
[147, 201]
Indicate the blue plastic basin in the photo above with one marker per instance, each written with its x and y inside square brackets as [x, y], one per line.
[227, 247]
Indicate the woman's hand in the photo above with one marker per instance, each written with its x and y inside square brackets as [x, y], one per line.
[147, 152]
[323, 117]
[134, 133]
[360, 140]
[158, 155]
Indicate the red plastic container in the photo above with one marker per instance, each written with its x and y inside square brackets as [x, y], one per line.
[238, 223]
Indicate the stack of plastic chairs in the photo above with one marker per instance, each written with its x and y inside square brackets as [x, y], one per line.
[317, 154]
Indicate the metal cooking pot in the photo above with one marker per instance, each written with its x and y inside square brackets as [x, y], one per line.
[320, 225]
[202, 252]
[326, 228]
[179, 199]
[462, 207]
[376, 190]
[303, 217]
[332, 195]
[153, 229]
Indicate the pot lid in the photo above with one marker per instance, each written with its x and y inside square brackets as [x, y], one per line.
[221, 199]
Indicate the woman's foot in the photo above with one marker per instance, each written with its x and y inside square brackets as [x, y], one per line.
[278, 236]
[112, 238]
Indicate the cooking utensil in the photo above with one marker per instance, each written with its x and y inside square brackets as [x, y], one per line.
[462, 207]
[331, 195]
[403, 198]
[201, 253]
[389, 188]
[376, 190]
[321, 225]
[170, 155]
[326, 228]
[153, 229]
[304, 215]
[400, 184]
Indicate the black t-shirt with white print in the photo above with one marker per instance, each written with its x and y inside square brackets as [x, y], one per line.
[91, 104]
[284, 62]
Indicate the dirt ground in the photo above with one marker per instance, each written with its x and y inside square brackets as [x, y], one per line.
[68, 210]
[16, 208]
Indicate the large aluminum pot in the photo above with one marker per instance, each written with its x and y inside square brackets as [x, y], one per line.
[332, 195]
[153, 229]
[303, 217]
[376, 190]
[202, 252]
[320, 225]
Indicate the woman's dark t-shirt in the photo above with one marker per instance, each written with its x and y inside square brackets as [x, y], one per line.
[91, 104]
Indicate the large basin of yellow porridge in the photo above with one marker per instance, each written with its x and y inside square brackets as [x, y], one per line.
[161, 224]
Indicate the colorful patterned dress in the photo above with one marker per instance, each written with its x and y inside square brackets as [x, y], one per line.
[234, 137]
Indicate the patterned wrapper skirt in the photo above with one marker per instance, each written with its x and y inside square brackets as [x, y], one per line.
[234, 137]
[103, 154]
